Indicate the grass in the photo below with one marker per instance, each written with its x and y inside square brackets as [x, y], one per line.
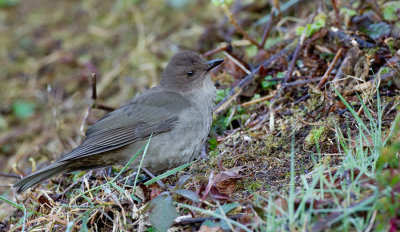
[329, 171]
[342, 190]
[357, 169]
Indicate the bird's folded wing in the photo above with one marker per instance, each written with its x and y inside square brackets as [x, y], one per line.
[154, 112]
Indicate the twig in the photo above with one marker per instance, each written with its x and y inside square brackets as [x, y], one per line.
[267, 30]
[221, 107]
[371, 222]
[347, 65]
[94, 91]
[10, 175]
[330, 68]
[388, 76]
[85, 117]
[337, 16]
[76, 182]
[303, 98]
[348, 40]
[237, 90]
[96, 105]
[103, 107]
[153, 176]
[240, 65]
[217, 50]
[292, 64]
[303, 82]
[287, 78]
[238, 27]
[262, 118]
[249, 103]
[308, 123]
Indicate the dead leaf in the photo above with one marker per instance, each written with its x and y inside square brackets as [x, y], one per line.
[223, 184]
[155, 191]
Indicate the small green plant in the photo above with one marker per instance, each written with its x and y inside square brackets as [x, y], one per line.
[347, 11]
[23, 109]
[390, 10]
[267, 84]
[213, 143]
[319, 22]
[221, 94]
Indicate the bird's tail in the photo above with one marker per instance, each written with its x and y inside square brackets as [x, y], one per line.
[40, 176]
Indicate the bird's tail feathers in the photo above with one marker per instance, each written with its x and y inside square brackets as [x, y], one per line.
[40, 176]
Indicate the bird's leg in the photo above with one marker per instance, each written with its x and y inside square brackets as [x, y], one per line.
[203, 151]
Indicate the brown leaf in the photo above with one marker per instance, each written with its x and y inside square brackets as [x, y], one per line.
[226, 186]
[233, 173]
[223, 184]
[155, 191]
[141, 193]
[43, 200]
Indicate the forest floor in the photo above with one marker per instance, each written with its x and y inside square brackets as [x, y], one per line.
[306, 128]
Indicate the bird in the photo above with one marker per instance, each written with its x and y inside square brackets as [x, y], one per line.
[176, 114]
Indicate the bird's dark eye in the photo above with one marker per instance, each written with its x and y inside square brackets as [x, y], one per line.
[190, 73]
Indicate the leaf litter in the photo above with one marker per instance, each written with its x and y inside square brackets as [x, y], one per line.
[273, 87]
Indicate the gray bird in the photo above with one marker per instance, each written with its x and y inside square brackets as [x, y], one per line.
[177, 113]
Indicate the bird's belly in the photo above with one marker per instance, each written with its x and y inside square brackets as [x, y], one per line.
[176, 147]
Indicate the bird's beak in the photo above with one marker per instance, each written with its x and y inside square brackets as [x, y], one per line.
[213, 63]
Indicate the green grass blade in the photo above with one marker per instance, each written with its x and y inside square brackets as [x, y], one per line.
[165, 174]
[352, 111]
[140, 165]
[13, 203]
[129, 163]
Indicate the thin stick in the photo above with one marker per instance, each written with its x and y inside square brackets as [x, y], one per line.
[308, 123]
[225, 104]
[10, 175]
[348, 40]
[288, 76]
[240, 65]
[249, 103]
[330, 68]
[337, 16]
[216, 50]
[238, 27]
[236, 90]
[292, 64]
[267, 30]
[94, 96]
[104, 107]
[94, 91]
[153, 176]
[303, 82]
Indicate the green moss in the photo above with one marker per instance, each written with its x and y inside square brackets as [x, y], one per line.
[254, 186]
[315, 135]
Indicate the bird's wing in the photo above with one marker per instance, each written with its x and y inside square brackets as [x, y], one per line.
[154, 112]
